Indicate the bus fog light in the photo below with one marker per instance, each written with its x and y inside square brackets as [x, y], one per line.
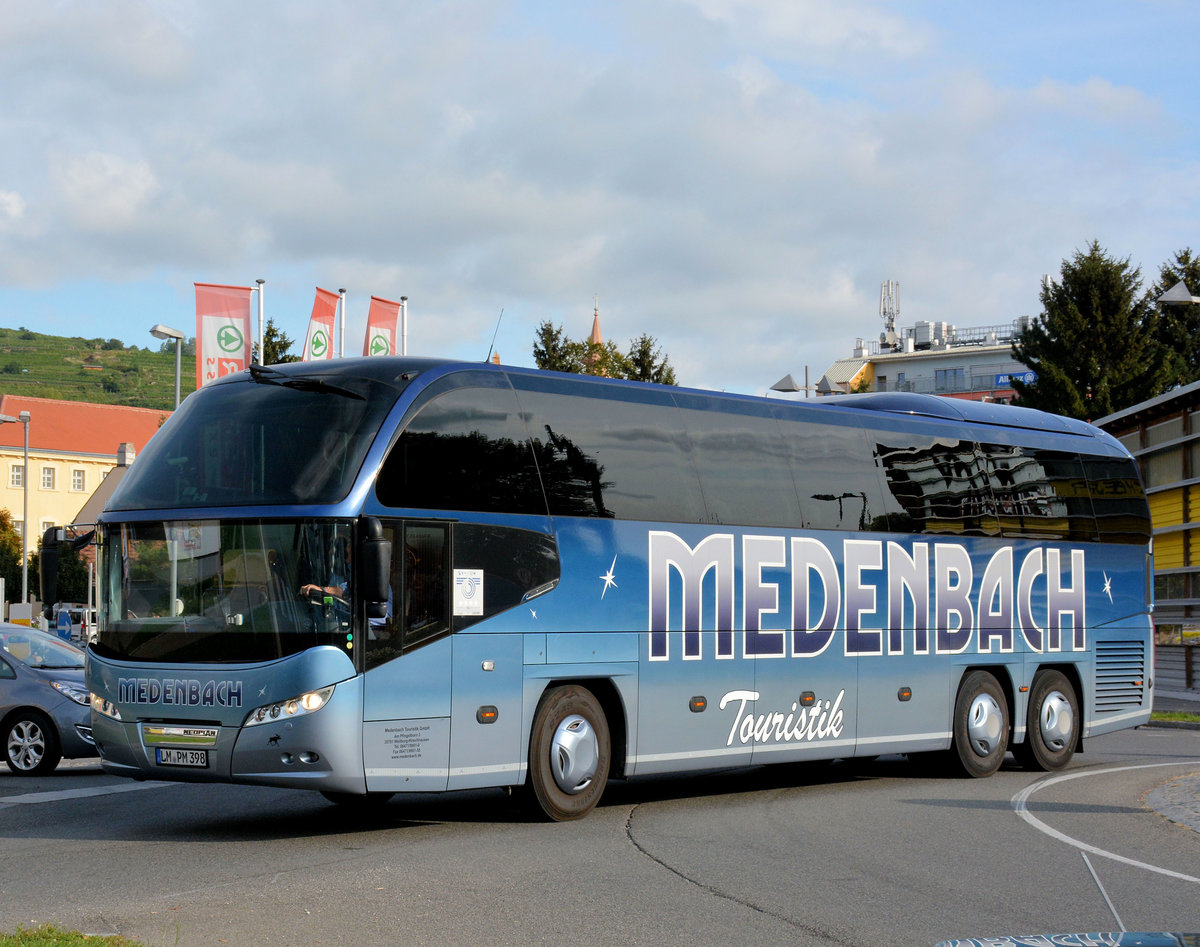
[292, 707]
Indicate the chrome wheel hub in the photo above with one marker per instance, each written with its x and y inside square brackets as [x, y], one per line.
[985, 724]
[574, 754]
[1056, 720]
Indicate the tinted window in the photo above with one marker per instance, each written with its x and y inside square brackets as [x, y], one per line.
[418, 608]
[1122, 515]
[464, 449]
[1040, 494]
[250, 443]
[938, 485]
[743, 462]
[616, 451]
[513, 564]
[835, 475]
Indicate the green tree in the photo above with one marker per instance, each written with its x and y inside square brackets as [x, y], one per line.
[275, 345]
[1094, 346]
[644, 361]
[647, 363]
[554, 352]
[1179, 325]
[10, 557]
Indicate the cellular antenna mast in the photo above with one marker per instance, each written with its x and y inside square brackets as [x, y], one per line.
[889, 310]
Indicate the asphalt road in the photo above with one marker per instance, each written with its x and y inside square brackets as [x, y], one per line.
[836, 854]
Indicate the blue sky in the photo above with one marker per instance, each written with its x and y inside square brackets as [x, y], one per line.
[733, 177]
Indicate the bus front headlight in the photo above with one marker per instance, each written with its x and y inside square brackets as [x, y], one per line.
[104, 706]
[308, 703]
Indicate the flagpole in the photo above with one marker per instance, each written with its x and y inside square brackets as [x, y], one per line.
[342, 334]
[403, 325]
[262, 355]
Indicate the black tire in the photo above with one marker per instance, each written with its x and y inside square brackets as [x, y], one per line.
[1051, 723]
[352, 800]
[980, 726]
[569, 753]
[31, 745]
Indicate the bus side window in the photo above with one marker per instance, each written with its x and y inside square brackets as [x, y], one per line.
[418, 605]
[515, 564]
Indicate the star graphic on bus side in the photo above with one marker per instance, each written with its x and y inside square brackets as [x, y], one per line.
[609, 581]
[1108, 586]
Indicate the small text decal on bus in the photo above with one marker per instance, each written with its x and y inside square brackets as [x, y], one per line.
[885, 596]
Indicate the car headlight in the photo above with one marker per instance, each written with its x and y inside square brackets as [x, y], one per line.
[102, 706]
[77, 692]
[308, 703]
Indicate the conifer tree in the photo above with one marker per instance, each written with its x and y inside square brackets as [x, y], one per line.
[1094, 346]
[1179, 325]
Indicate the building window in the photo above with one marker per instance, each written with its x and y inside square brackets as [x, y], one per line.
[46, 524]
[78, 480]
[16, 476]
[19, 526]
[949, 379]
[47, 478]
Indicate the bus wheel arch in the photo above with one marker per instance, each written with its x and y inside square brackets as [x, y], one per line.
[1053, 727]
[570, 752]
[981, 724]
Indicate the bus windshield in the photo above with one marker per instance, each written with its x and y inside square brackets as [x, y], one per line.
[223, 592]
[271, 437]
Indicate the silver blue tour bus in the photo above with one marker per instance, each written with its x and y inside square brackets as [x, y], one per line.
[385, 575]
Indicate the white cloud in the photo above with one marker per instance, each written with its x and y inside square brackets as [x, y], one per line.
[104, 193]
[12, 206]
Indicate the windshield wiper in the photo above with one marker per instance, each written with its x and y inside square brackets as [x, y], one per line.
[270, 376]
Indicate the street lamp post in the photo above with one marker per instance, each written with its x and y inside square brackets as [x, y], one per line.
[161, 331]
[23, 417]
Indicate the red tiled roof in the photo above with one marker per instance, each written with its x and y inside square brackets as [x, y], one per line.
[78, 426]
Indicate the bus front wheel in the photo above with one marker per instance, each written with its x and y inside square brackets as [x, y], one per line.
[980, 725]
[569, 753]
[1052, 723]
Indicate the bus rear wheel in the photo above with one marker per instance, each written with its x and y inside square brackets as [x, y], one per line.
[980, 725]
[569, 753]
[1052, 723]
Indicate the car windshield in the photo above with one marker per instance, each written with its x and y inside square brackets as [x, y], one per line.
[39, 650]
[222, 591]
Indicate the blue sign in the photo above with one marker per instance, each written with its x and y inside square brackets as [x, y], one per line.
[63, 626]
[1006, 379]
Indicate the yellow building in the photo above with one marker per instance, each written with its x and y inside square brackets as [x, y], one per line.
[72, 447]
[1164, 435]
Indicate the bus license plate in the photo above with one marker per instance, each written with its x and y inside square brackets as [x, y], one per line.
[167, 757]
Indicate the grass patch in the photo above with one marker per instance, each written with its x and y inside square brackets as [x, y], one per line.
[47, 935]
[1175, 716]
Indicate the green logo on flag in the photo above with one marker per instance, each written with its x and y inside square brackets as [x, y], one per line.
[319, 344]
[379, 346]
[229, 339]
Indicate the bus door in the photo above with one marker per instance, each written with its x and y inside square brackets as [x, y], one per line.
[408, 659]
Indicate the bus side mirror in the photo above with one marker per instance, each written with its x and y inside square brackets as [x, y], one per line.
[375, 566]
[53, 541]
[48, 571]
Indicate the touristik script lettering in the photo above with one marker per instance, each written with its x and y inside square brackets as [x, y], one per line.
[179, 693]
[800, 725]
[883, 597]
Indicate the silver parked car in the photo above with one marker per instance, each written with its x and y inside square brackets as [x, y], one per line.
[45, 711]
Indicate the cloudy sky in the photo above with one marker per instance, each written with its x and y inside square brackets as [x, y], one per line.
[734, 177]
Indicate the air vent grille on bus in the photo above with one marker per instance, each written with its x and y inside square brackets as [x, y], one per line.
[1120, 671]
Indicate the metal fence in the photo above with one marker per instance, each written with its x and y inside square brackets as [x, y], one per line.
[1176, 668]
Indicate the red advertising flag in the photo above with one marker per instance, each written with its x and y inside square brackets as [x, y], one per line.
[319, 341]
[222, 330]
[381, 327]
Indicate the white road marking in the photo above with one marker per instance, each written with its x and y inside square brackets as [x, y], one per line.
[60, 794]
[1019, 806]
